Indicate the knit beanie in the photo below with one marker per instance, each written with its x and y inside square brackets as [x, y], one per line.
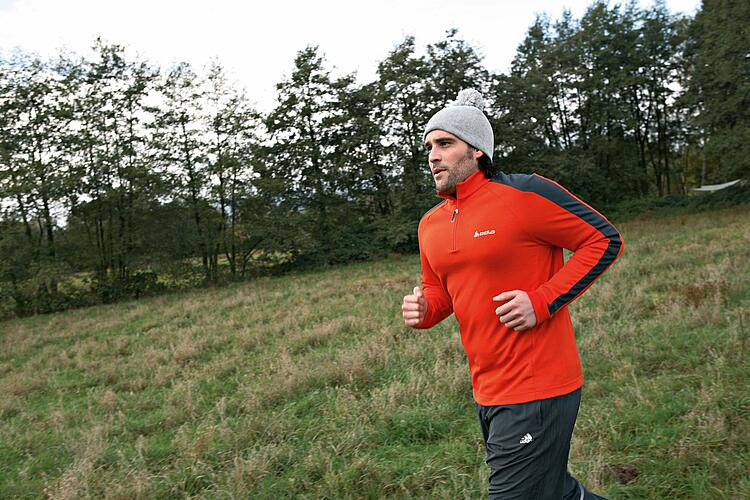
[465, 119]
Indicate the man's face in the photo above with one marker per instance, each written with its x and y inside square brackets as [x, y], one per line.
[451, 160]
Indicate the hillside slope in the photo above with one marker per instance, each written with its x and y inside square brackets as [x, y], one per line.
[310, 385]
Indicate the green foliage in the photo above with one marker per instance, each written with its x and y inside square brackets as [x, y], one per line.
[135, 285]
[113, 168]
[403, 110]
[309, 158]
[719, 68]
[588, 103]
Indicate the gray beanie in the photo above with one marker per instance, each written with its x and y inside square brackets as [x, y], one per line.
[466, 120]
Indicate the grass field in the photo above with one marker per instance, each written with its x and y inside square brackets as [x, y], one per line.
[309, 386]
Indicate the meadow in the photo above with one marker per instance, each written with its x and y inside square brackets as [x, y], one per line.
[310, 386]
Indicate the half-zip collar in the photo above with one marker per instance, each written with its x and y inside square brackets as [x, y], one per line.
[467, 187]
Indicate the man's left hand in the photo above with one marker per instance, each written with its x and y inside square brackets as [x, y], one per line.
[518, 312]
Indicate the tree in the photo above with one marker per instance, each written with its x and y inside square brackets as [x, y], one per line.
[404, 108]
[37, 112]
[718, 71]
[590, 103]
[232, 148]
[181, 142]
[307, 156]
[111, 177]
[453, 65]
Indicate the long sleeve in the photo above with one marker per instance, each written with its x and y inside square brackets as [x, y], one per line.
[555, 217]
[439, 305]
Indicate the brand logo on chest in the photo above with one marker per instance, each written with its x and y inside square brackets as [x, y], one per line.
[488, 232]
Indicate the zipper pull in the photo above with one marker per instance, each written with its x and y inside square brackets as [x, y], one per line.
[453, 217]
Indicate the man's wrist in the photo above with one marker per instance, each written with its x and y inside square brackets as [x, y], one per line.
[541, 311]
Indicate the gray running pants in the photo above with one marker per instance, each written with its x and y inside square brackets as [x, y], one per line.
[527, 449]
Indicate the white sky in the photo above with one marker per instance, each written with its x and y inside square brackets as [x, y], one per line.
[257, 41]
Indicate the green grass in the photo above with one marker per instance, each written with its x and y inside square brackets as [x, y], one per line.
[310, 386]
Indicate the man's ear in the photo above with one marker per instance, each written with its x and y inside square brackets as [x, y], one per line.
[478, 154]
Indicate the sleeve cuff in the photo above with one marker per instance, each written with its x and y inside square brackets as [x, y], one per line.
[428, 321]
[540, 306]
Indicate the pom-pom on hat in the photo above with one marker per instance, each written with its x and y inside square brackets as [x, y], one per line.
[465, 119]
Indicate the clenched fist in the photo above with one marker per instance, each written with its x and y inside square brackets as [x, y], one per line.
[414, 307]
[517, 313]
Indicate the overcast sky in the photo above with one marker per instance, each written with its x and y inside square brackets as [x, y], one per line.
[257, 41]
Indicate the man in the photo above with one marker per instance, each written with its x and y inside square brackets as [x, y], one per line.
[492, 253]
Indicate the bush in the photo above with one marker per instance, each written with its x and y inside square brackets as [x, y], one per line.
[7, 304]
[133, 286]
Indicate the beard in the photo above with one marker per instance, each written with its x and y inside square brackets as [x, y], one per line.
[452, 175]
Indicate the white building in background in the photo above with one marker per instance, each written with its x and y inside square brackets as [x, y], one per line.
[716, 187]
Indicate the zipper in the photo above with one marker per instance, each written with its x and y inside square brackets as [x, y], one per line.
[455, 227]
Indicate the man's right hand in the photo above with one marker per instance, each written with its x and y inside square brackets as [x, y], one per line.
[414, 307]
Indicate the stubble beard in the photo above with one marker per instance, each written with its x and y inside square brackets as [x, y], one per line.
[458, 173]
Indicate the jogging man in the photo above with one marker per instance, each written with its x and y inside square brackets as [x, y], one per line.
[492, 253]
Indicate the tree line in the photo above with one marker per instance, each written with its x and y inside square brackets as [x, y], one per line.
[118, 178]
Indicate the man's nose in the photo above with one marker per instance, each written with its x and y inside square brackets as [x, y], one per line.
[434, 156]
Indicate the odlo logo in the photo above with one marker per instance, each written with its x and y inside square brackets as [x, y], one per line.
[477, 234]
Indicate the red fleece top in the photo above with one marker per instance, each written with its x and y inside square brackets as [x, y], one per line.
[508, 233]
